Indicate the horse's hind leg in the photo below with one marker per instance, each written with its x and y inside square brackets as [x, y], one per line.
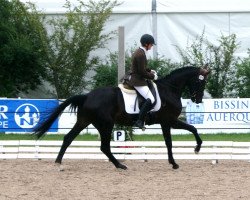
[78, 127]
[105, 130]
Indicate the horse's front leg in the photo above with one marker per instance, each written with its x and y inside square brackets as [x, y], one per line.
[182, 125]
[168, 142]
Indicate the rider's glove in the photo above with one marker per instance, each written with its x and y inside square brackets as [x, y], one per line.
[153, 71]
[155, 74]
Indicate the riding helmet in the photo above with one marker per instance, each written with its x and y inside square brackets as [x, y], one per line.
[147, 39]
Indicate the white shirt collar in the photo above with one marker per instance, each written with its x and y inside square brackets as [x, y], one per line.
[144, 49]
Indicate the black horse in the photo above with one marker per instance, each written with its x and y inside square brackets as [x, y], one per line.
[104, 107]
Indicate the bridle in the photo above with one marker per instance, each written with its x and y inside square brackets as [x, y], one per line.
[201, 78]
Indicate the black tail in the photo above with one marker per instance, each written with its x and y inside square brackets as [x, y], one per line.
[75, 102]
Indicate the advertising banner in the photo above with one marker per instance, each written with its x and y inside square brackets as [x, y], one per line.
[22, 115]
[212, 116]
[219, 113]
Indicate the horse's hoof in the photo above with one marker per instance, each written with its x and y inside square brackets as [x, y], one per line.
[197, 149]
[175, 166]
[60, 167]
[120, 166]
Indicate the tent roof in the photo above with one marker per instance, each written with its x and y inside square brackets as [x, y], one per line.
[203, 5]
[145, 6]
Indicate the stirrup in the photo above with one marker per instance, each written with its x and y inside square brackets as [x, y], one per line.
[140, 124]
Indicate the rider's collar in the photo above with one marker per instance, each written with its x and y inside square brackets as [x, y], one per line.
[144, 49]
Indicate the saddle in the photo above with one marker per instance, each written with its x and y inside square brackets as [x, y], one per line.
[133, 100]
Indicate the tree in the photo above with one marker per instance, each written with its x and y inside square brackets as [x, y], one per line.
[223, 68]
[106, 74]
[21, 50]
[74, 36]
[221, 61]
[242, 85]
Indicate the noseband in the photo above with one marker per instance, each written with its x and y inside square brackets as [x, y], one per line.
[194, 94]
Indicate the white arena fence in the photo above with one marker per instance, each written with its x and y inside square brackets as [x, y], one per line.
[128, 150]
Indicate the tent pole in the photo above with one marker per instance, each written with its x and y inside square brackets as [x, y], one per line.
[121, 53]
[154, 26]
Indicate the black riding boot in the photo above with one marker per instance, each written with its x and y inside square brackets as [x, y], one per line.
[143, 112]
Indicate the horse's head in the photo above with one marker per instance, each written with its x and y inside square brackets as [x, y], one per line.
[197, 85]
[190, 76]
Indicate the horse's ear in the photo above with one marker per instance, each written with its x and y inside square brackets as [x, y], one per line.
[206, 66]
[205, 69]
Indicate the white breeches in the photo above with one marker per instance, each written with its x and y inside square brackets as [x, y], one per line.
[145, 92]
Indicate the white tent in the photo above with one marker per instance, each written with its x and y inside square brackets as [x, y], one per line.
[173, 22]
[163, 6]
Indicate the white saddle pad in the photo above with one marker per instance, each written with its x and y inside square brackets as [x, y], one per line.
[129, 97]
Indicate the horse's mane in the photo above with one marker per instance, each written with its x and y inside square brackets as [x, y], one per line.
[182, 70]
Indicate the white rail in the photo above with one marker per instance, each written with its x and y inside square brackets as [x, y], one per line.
[213, 150]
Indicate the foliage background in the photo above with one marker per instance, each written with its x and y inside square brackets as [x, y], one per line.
[31, 55]
[73, 39]
[21, 50]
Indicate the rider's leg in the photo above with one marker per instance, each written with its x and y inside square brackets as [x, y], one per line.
[146, 107]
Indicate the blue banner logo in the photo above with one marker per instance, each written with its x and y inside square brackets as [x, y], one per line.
[27, 116]
[24, 115]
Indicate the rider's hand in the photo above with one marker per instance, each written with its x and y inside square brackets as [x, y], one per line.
[153, 71]
[156, 76]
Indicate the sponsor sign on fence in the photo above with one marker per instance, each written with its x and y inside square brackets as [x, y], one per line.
[212, 116]
[20, 115]
[219, 113]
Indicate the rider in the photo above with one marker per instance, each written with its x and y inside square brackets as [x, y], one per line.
[139, 73]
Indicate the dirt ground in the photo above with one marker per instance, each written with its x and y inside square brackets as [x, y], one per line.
[100, 180]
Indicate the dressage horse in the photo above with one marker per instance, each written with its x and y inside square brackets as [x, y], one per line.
[105, 107]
